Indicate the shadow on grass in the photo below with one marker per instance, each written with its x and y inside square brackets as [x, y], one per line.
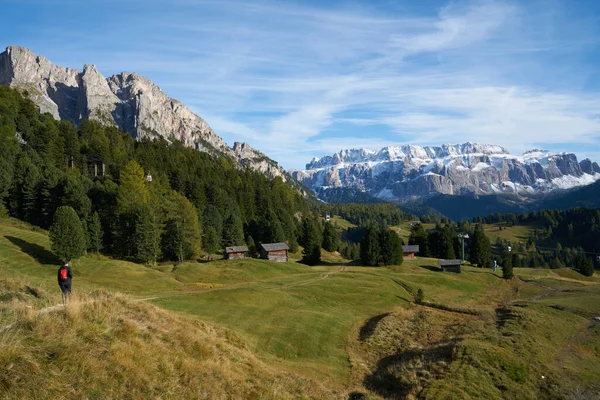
[339, 264]
[390, 379]
[490, 272]
[39, 253]
[431, 268]
[367, 330]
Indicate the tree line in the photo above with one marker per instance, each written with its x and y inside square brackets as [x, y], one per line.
[143, 200]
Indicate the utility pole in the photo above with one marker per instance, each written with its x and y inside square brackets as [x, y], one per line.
[463, 236]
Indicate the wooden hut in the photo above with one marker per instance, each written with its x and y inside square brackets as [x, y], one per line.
[235, 252]
[274, 252]
[450, 265]
[408, 252]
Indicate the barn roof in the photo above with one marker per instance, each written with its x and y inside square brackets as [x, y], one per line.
[414, 248]
[275, 246]
[443, 263]
[236, 249]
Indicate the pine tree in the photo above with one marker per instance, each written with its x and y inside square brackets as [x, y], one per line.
[212, 218]
[311, 238]
[211, 240]
[446, 243]
[390, 247]
[9, 148]
[133, 189]
[587, 267]
[67, 237]
[480, 248]
[369, 247]
[420, 297]
[95, 233]
[418, 236]
[272, 229]
[75, 194]
[251, 246]
[516, 260]
[507, 268]
[293, 244]
[331, 237]
[182, 234]
[233, 231]
[147, 237]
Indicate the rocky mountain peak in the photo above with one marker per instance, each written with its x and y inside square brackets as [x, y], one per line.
[406, 172]
[126, 100]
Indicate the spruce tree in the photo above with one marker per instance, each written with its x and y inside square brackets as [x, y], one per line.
[211, 240]
[312, 238]
[390, 247]
[251, 246]
[446, 243]
[147, 236]
[369, 247]
[418, 236]
[233, 231]
[95, 233]
[331, 237]
[480, 248]
[507, 268]
[67, 237]
[587, 267]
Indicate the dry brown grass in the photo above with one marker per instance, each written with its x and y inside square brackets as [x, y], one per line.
[107, 346]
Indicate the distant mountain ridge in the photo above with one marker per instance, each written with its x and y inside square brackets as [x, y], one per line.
[128, 101]
[400, 173]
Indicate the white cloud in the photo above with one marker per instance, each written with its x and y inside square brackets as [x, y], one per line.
[283, 76]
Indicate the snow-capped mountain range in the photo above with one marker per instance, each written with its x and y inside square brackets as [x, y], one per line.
[410, 172]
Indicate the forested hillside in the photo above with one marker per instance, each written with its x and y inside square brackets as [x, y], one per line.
[142, 200]
[558, 238]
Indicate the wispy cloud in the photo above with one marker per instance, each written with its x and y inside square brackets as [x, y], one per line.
[297, 80]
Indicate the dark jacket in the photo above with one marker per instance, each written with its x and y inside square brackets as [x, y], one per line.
[69, 274]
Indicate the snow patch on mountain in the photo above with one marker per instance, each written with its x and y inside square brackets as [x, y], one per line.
[406, 172]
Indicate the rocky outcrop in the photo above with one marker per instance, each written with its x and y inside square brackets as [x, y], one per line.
[408, 172]
[589, 167]
[129, 101]
[257, 161]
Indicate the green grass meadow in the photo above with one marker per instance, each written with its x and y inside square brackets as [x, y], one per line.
[308, 320]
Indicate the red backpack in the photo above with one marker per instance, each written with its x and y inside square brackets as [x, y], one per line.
[63, 273]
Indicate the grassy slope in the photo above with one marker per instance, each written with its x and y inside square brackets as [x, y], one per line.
[107, 346]
[306, 320]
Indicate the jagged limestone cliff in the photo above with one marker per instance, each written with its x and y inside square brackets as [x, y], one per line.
[129, 101]
[408, 172]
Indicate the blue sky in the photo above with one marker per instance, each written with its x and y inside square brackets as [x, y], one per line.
[307, 78]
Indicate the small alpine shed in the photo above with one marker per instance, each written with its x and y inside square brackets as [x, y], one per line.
[450, 265]
[274, 252]
[235, 252]
[409, 251]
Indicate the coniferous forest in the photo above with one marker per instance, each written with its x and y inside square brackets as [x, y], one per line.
[151, 200]
[144, 200]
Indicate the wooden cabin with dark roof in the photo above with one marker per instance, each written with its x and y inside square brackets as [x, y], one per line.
[450, 265]
[277, 252]
[409, 251]
[235, 252]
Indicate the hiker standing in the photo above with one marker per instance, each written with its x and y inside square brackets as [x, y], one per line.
[495, 265]
[64, 281]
